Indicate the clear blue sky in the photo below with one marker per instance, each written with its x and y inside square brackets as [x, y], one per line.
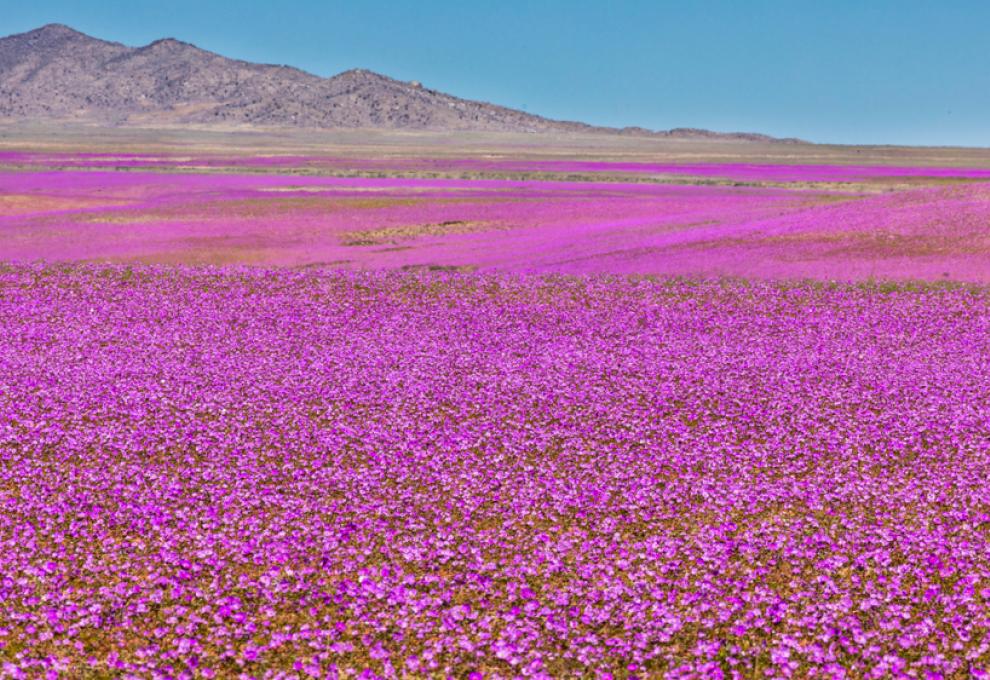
[851, 71]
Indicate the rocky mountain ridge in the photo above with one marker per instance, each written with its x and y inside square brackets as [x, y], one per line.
[57, 73]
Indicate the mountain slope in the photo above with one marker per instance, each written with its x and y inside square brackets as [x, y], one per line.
[55, 72]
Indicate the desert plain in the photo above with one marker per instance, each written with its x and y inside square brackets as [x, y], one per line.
[286, 404]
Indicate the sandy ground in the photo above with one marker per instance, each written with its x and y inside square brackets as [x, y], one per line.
[377, 143]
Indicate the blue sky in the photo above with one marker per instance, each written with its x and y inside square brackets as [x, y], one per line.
[867, 71]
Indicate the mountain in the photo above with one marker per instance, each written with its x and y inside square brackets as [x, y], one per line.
[57, 73]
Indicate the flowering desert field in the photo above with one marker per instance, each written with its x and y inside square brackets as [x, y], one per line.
[484, 213]
[286, 413]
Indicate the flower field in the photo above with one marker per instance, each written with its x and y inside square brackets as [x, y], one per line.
[258, 472]
[766, 222]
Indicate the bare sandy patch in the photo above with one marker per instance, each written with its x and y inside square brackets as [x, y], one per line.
[25, 204]
[385, 235]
